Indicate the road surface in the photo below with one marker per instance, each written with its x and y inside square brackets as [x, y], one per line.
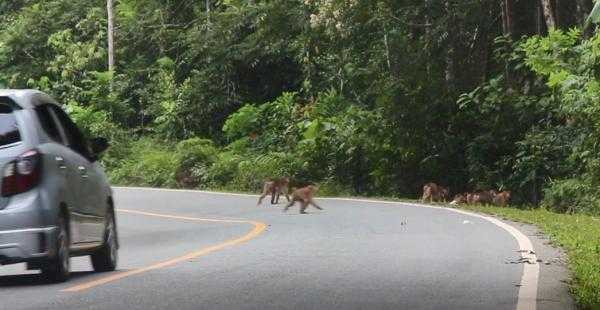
[193, 250]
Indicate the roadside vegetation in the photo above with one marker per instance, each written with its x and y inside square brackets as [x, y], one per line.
[363, 97]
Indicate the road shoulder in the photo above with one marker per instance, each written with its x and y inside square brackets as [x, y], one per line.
[554, 277]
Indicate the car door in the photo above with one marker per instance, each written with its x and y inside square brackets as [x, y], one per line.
[59, 163]
[92, 205]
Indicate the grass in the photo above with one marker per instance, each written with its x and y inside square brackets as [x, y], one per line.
[578, 235]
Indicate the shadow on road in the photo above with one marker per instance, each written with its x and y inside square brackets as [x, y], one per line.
[300, 214]
[35, 279]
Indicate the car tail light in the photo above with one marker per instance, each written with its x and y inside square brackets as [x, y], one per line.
[21, 174]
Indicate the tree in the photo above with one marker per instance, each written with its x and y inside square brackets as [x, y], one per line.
[111, 33]
[549, 14]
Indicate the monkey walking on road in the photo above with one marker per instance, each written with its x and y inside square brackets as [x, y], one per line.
[275, 187]
[305, 197]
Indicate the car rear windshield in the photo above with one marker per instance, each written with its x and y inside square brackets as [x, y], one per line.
[9, 129]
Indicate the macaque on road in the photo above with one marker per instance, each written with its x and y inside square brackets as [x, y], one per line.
[305, 196]
[275, 187]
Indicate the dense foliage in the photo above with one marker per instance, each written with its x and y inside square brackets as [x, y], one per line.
[364, 97]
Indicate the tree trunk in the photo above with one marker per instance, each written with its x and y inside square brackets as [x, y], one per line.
[548, 14]
[111, 34]
[450, 72]
[539, 19]
[387, 51]
[507, 18]
[208, 12]
[428, 30]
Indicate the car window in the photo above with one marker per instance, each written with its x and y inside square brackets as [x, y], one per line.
[9, 129]
[48, 123]
[76, 139]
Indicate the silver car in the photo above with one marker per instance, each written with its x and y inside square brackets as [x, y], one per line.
[55, 200]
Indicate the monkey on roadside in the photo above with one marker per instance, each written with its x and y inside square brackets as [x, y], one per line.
[483, 197]
[305, 196]
[459, 199]
[275, 187]
[434, 193]
[501, 199]
[444, 194]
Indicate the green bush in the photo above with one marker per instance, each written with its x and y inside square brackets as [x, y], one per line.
[149, 165]
[253, 171]
[240, 146]
[242, 122]
[329, 139]
[273, 125]
[223, 171]
[333, 188]
[194, 158]
[572, 196]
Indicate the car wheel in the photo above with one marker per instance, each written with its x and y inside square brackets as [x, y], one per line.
[105, 259]
[57, 269]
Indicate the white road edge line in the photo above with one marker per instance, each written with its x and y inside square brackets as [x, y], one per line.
[527, 298]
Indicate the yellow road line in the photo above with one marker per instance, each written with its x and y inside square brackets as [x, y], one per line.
[527, 298]
[257, 230]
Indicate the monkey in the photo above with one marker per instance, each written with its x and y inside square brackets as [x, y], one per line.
[501, 199]
[459, 199]
[434, 193]
[483, 197]
[428, 192]
[275, 187]
[445, 193]
[281, 187]
[305, 196]
[267, 189]
[470, 198]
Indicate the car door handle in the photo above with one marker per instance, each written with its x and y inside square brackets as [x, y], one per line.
[60, 162]
[83, 172]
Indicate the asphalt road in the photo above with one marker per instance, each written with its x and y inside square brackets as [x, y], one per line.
[353, 255]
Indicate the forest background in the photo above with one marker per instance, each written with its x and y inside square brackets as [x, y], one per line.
[364, 97]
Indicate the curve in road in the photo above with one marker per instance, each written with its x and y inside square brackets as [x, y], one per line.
[257, 229]
[528, 287]
[358, 254]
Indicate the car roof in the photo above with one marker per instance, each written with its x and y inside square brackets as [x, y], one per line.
[27, 98]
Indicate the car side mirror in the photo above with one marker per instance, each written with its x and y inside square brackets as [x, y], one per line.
[98, 145]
